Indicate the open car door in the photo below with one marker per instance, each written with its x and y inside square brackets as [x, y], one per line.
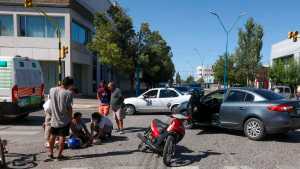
[208, 107]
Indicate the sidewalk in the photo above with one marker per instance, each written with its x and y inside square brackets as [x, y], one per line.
[80, 103]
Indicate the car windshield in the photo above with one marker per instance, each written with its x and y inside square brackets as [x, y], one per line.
[179, 91]
[269, 95]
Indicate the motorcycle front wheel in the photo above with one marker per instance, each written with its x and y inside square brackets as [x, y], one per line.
[169, 150]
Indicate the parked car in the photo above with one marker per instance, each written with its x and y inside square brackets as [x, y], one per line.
[155, 100]
[183, 89]
[21, 86]
[196, 87]
[284, 91]
[257, 112]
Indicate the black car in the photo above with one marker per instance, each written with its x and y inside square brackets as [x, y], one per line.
[257, 112]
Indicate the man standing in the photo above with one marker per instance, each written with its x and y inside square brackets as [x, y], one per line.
[61, 108]
[116, 103]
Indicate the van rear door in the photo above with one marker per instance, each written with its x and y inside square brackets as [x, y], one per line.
[6, 80]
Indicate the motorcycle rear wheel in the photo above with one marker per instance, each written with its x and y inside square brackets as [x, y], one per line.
[169, 150]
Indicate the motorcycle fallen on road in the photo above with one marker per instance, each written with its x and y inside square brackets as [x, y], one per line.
[161, 138]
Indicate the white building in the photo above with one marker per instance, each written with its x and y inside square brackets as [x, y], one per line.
[26, 32]
[285, 50]
[205, 73]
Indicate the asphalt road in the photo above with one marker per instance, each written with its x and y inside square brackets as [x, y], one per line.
[200, 149]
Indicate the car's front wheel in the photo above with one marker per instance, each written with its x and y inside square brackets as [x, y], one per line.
[254, 129]
[130, 109]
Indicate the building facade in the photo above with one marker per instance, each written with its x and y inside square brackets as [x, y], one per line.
[285, 50]
[26, 32]
[205, 73]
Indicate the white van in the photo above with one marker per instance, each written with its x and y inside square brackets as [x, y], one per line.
[21, 86]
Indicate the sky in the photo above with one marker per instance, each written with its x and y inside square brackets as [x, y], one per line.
[187, 25]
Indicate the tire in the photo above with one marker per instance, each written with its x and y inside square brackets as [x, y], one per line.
[173, 109]
[254, 129]
[2, 155]
[169, 150]
[130, 109]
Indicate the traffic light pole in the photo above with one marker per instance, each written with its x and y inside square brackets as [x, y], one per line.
[59, 57]
[58, 34]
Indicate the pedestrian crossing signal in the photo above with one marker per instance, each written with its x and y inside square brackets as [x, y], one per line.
[65, 51]
[28, 3]
[293, 36]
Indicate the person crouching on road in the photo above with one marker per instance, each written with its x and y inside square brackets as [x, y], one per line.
[61, 115]
[79, 130]
[103, 95]
[101, 128]
[116, 103]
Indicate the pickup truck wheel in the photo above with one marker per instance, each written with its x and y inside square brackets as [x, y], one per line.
[130, 109]
[254, 129]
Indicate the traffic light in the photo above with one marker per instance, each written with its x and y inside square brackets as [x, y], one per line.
[293, 36]
[65, 51]
[28, 3]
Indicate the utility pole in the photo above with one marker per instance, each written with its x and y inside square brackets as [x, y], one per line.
[227, 32]
[138, 68]
[62, 52]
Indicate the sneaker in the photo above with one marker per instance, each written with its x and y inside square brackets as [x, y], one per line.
[121, 132]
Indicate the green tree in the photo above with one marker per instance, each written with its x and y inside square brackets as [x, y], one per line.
[190, 79]
[155, 56]
[287, 74]
[200, 81]
[178, 78]
[218, 69]
[277, 72]
[114, 40]
[248, 53]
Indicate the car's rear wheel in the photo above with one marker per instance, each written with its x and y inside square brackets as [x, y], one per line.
[254, 129]
[130, 109]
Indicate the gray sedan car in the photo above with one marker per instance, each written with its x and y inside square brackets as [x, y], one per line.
[257, 112]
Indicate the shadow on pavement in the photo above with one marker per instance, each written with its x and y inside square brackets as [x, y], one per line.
[185, 156]
[116, 139]
[21, 161]
[134, 129]
[114, 153]
[216, 130]
[291, 137]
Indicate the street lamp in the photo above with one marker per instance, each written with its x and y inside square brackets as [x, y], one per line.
[227, 31]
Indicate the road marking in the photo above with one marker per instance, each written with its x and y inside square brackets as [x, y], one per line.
[187, 167]
[20, 133]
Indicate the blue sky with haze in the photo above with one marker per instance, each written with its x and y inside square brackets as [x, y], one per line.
[187, 24]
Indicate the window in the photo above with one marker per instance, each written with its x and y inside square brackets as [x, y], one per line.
[236, 96]
[167, 93]
[249, 98]
[269, 95]
[80, 34]
[40, 26]
[21, 64]
[33, 65]
[218, 95]
[6, 25]
[151, 94]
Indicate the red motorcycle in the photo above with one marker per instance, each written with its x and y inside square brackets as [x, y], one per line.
[162, 137]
